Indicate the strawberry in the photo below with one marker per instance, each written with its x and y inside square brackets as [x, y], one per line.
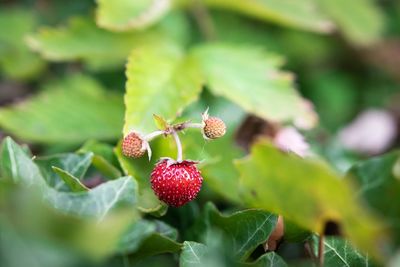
[176, 183]
[213, 128]
[133, 146]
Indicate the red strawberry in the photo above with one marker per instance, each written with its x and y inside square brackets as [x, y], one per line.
[176, 183]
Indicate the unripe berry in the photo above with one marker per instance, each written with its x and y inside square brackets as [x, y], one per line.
[132, 146]
[213, 128]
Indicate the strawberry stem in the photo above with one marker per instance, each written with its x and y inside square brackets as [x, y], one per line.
[193, 125]
[153, 135]
[178, 146]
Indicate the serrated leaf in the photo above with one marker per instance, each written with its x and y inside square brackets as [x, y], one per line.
[251, 78]
[339, 252]
[82, 40]
[360, 20]
[161, 80]
[297, 14]
[75, 102]
[270, 180]
[378, 186]
[98, 202]
[16, 60]
[74, 164]
[72, 182]
[246, 229]
[122, 15]
[160, 122]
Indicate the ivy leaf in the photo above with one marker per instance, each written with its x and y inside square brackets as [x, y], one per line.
[17, 166]
[74, 164]
[16, 60]
[271, 259]
[360, 21]
[378, 186]
[75, 102]
[270, 180]
[297, 14]
[122, 15]
[339, 252]
[161, 80]
[142, 230]
[98, 202]
[251, 78]
[72, 182]
[103, 159]
[192, 254]
[246, 229]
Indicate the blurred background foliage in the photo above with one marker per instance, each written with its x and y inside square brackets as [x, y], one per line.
[77, 75]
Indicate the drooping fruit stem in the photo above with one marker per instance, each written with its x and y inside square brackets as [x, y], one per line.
[193, 125]
[178, 146]
[153, 135]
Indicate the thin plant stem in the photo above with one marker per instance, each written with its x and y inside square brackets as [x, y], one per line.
[193, 125]
[321, 250]
[178, 146]
[153, 135]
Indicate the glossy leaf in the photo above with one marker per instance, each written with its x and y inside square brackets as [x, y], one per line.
[161, 80]
[122, 15]
[72, 182]
[97, 202]
[270, 180]
[379, 186]
[246, 229]
[339, 252]
[75, 102]
[74, 164]
[251, 78]
[270, 259]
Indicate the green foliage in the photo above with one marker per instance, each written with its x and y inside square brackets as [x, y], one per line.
[16, 60]
[75, 78]
[74, 101]
[322, 195]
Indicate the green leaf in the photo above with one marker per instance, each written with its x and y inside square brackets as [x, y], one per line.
[16, 60]
[16, 165]
[339, 252]
[297, 14]
[72, 182]
[122, 15]
[271, 259]
[192, 254]
[281, 183]
[82, 40]
[246, 229]
[360, 20]
[141, 169]
[161, 80]
[160, 122]
[98, 202]
[144, 238]
[103, 159]
[75, 102]
[251, 78]
[74, 164]
[379, 186]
